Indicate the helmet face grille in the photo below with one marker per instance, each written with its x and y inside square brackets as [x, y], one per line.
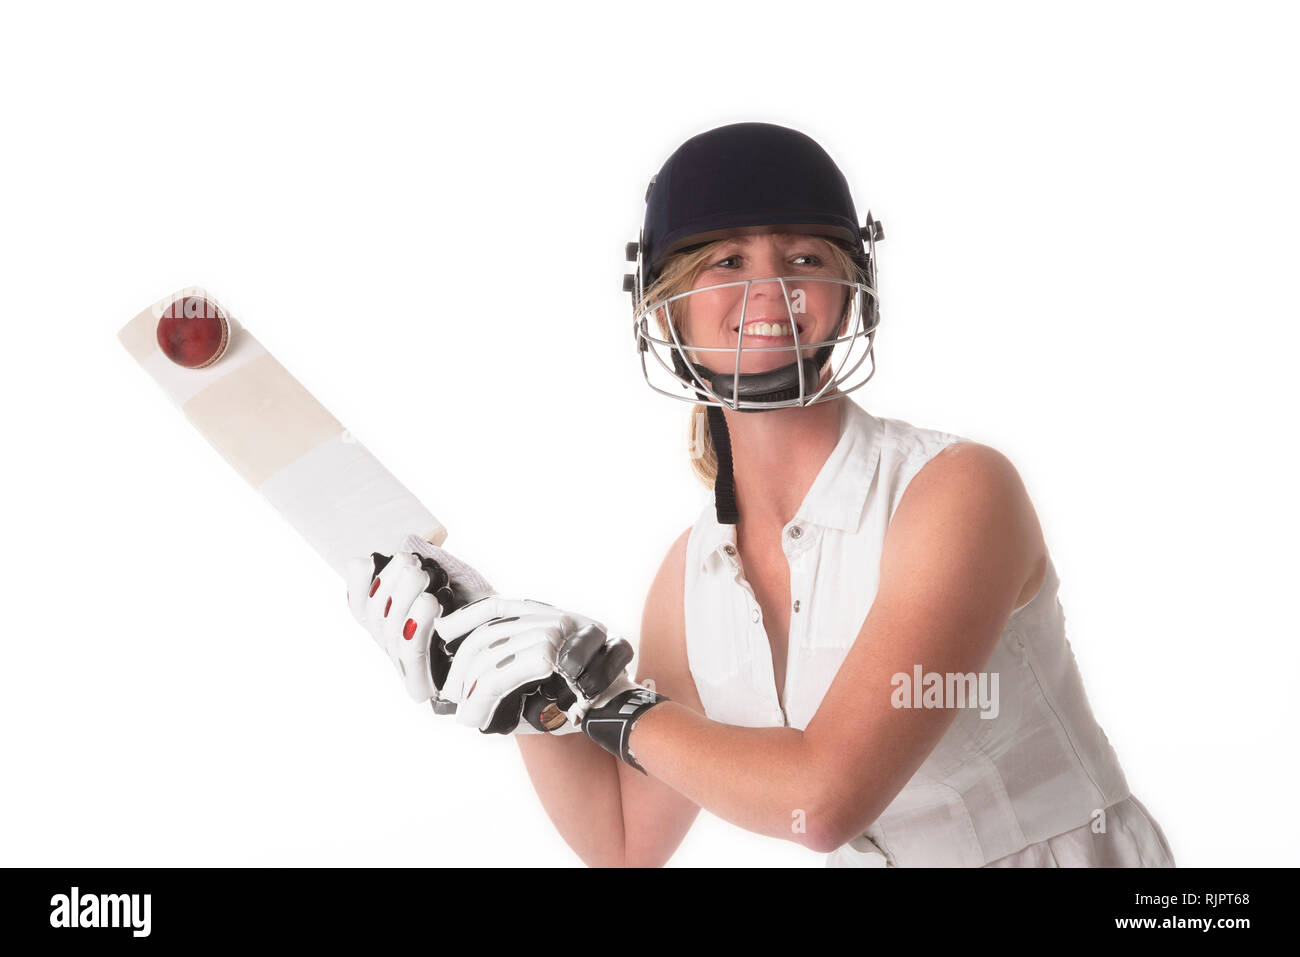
[746, 345]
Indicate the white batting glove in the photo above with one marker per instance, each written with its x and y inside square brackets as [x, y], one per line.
[399, 601]
[523, 666]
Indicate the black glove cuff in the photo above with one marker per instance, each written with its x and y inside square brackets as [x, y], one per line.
[610, 725]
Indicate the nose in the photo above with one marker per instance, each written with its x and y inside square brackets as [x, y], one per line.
[765, 265]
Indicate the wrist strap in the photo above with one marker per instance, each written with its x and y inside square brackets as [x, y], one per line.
[610, 724]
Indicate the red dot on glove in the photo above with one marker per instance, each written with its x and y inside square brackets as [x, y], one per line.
[374, 588]
[388, 606]
[408, 630]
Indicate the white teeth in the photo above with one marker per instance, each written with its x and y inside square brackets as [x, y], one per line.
[769, 329]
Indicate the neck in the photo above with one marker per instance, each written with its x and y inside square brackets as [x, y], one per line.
[776, 456]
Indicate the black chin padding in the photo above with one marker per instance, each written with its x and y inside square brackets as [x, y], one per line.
[777, 385]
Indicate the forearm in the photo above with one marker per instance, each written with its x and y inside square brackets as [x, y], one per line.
[762, 779]
[578, 784]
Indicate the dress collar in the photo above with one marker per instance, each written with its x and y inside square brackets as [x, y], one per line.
[836, 499]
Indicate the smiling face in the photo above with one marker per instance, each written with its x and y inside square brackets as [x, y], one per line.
[713, 318]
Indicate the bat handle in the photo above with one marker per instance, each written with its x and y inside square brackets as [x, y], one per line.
[543, 705]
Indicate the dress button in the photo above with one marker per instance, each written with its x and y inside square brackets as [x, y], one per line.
[796, 532]
[754, 614]
[796, 604]
[729, 549]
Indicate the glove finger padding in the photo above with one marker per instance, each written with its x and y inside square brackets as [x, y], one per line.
[507, 660]
[388, 571]
[578, 650]
[605, 668]
[590, 661]
[367, 594]
[398, 599]
[491, 690]
[467, 650]
[409, 581]
[415, 655]
[464, 620]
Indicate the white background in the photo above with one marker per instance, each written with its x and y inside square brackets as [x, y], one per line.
[1091, 214]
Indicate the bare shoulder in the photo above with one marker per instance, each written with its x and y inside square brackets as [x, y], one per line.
[971, 491]
[970, 460]
[661, 655]
[972, 473]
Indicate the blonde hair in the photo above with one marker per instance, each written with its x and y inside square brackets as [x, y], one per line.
[678, 275]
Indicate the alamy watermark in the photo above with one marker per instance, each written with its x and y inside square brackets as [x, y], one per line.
[931, 689]
[76, 909]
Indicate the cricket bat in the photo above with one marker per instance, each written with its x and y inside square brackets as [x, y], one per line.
[279, 438]
[288, 446]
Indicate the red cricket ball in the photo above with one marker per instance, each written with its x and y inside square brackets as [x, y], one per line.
[193, 332]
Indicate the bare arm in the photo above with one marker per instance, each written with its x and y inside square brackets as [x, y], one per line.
[960, 548]
[609, 813]
[656, 817]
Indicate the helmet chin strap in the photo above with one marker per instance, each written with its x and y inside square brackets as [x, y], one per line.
[724, 483]
[776, 385]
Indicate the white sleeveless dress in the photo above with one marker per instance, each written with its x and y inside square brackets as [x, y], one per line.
[1027, 788]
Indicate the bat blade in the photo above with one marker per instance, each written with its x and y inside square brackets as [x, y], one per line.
[284, 443]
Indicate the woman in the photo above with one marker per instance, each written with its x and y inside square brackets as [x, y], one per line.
[856, 646]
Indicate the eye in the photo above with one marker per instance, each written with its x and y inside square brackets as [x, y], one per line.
[813, 260]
